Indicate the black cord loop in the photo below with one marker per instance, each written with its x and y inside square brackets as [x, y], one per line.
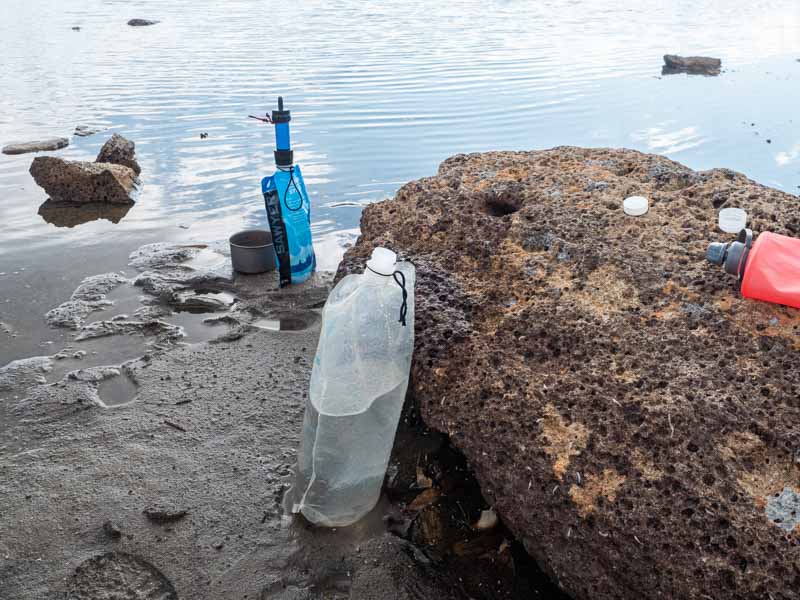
[401, 281]
[286, 192]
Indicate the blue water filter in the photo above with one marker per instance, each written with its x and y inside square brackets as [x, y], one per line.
[288, 208]
[282, 141]
[284, 157]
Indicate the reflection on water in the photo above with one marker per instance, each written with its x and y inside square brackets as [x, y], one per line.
[66, 214]
[379, 93]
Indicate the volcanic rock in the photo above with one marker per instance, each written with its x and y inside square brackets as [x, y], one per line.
[81, 182]
[119, 151]
[629, 416]
[37, 146]
[693, 65]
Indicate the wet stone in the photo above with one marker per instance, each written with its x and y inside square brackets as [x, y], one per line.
[141, 22]
[37, 146]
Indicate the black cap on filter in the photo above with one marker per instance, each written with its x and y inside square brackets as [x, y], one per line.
[280, 115]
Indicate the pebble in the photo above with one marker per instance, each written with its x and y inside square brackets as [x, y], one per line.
[488, 520]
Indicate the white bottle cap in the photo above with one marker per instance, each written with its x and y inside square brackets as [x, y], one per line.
[732, 220]
[635, 206]
[382, 261]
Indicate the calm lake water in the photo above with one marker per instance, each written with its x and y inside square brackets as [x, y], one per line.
[380, 93]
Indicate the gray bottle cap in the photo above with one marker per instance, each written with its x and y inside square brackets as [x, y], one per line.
[716, 252]
[730, 255]
[734, 256]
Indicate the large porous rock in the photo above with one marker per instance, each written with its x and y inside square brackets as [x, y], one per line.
[80, 182]
[119, 150]
[693, 65]
[631, 419]
[36, 146]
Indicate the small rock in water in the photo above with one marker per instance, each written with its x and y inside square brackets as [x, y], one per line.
[693, 65]
[36, 146]
[203, 136]
[141, 22]
[86, 130]
[119, 150]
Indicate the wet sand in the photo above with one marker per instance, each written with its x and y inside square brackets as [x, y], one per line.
[204, 436]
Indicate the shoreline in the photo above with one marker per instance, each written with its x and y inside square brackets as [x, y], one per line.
[205, 435]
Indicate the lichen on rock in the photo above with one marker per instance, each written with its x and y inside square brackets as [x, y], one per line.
[627, 413]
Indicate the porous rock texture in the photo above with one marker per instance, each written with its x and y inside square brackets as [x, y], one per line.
[83, 182]
[119, 151]
[629, 416]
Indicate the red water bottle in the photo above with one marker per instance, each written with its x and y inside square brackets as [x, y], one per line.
[768, 269]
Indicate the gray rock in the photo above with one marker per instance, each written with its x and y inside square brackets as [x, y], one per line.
[694, 65]
[141, 22]
[86, 130]
[119, 151]
[164, 514]
[82, 182]
[36, 146]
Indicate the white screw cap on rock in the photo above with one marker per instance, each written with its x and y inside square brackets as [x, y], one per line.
[635, 205]
[732, 220]
[382, 261]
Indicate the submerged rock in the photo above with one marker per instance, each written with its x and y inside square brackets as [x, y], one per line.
[141, 22]
[37, 146]
[83, 182]
[693, 65]
[119, 151]
[86, 131]
[629, 442]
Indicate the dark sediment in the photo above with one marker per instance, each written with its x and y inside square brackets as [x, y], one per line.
[633, 421]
